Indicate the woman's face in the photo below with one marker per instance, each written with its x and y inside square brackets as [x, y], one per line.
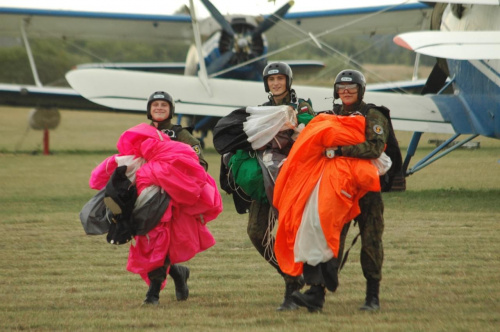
[348, 93]
[160, 110]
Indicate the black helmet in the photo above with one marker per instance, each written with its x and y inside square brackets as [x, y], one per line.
[275, 68]
[161, 95]
[350, 76]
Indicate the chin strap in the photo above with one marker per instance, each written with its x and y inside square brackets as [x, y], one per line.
[293, 96]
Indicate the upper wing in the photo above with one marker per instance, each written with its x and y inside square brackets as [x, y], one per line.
[459, 45]
[156, 28]
[95, 25]
[472, 2]
[129, 90]
[360, 21]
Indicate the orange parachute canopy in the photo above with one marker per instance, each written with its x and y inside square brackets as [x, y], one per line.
[344, 181]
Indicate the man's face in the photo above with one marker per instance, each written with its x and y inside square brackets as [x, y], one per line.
[348, 92]
[160, 110]
[277, 84]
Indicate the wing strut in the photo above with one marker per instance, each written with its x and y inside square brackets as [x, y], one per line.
[430, 159]
[202, 72]
[30, 55]
[436, 83]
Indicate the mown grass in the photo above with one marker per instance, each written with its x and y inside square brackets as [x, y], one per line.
[441, 250]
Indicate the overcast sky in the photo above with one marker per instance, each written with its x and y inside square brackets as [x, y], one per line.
[252, 7]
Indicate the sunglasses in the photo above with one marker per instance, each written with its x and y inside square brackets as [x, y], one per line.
[351, 88]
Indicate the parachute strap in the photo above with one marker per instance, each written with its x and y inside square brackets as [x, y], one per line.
[391, 149]
[268, 239]
[384, 110]
[235, 187]
[344, 259]
[336, 109]
[177, 129]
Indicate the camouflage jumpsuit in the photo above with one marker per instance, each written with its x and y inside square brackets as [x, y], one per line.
[259, 212]
[371, 219]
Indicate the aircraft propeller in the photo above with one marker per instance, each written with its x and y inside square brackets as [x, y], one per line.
[216, 14]
[273, 19]
[240, 40]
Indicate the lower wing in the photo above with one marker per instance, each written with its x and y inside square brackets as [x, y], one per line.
[128, 90]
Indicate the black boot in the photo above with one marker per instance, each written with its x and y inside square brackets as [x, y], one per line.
[153, 294]
[313, 298]
[180, 274]
[371, 301]
[290, 287]
[330, 272]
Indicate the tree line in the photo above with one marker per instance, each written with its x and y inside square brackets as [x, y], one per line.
[55, 57]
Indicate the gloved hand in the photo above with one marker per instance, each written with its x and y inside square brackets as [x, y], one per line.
[332, 152]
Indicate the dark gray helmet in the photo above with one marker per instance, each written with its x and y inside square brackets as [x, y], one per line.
[275, 68]
[161, 95]
[350, 76]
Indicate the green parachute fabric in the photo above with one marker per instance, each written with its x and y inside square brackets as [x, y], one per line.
[247, 173]
[304, 118]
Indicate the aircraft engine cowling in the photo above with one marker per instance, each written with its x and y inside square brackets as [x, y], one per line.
[241, 40]
[244, 43]
[44, 118]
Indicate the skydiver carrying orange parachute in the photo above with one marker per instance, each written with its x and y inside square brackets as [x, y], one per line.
[319, 187]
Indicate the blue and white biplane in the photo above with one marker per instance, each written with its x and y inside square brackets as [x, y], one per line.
[464, 36]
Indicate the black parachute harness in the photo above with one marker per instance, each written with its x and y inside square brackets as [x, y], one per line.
[173, 132]
[170, 133]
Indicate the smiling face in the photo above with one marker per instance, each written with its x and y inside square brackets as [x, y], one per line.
[277, 84]
[348, 93]
[160, 110]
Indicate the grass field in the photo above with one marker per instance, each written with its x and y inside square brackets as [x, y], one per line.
[441, 269]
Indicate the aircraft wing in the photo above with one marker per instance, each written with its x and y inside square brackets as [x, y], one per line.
[127, 90]
[42, 23]
[408, 86]
[299, 67]
[192, 97]
[156, 67]
[34, 96]
[458, 45]
[472, 2]
[353, 21]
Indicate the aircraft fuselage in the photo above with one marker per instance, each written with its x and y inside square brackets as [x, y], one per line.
[476, 82]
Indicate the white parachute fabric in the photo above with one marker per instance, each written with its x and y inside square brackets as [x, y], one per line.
[383, 163]
[146, 194]
[132, 162]
[265, 122]
[310, 243]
